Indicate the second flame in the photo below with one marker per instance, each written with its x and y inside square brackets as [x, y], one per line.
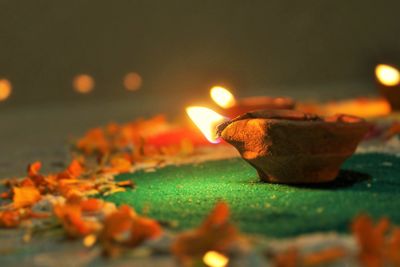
[387, 75]
[222, 96]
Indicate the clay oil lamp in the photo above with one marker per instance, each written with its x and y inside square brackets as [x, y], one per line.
[388, 79]
[232, 107]
[292, 147]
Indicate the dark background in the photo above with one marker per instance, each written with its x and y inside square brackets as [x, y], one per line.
[180, 48]
[303, 49]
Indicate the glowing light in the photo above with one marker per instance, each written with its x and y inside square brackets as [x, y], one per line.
[83, 83]
[362, 107]
[222, 97]
[132, 81]
[207, 121]
[89, 240]
[387, 75]
[215, 259]
[5, 89]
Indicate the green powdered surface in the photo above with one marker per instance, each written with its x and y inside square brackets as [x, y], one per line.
[368, 183]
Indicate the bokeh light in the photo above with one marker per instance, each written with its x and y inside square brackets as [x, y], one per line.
[83, 83]
[132, 81]
[5, 89]
[89, 240]
[215, 259]
[387, 75]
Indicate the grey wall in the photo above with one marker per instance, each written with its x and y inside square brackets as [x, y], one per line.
[181, 47]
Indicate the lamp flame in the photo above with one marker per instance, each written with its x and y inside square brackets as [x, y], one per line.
[5, 89]
[387, 75]
[206, 120]
[222, 96]
[215, 259]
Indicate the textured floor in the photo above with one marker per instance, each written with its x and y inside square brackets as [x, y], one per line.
[183, 195]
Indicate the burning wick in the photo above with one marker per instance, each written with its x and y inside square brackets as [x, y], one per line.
[223, 97]
[387, 75]
[207, 121]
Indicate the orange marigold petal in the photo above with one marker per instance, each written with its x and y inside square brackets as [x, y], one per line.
[143, 229]
[75, 168]
[34, 168]
[117, 222]
[287, 258]
[5, 195]
[27, 182]
[323, 257]
[112, 128]
[91, 205]
[9, 218]
[25, 196]
[119, 165]
[371, 239]
[125, 228]
[219, 215]
[216, 233]
[94, 141]
[72, 220]
[393, 251]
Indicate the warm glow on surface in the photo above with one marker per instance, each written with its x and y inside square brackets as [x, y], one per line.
[5, 89]
[207, 121]
[132, 81]
[222, 97]
[362, 107]
[83, 83]
[387, 75]
[215, 259]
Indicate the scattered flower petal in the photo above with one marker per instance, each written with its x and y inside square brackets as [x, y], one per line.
[125, 228]
[25, 196]
[215, 233]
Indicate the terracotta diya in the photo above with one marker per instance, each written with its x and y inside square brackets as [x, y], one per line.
[233, 108]
[388, 78]
[292, 147]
